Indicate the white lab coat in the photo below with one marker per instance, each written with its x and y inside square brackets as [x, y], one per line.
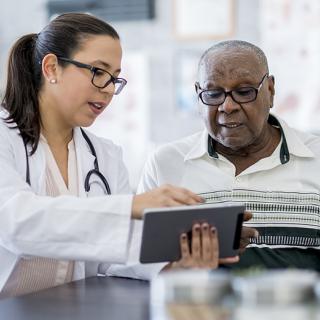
[92, 229]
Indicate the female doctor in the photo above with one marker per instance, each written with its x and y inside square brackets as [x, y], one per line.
[56, 222]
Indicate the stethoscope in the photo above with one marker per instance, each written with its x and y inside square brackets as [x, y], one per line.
[92, 172]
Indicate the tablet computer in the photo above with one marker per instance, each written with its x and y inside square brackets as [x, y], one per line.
[162, 229]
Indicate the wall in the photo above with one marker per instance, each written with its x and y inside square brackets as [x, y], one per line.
[155, 58]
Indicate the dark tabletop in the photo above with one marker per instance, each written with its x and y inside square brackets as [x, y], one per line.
[89, 299]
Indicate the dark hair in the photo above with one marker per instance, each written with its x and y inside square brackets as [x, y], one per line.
[62, 37]
[236, 45]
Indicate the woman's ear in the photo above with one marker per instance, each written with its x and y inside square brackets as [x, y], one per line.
[50, 68]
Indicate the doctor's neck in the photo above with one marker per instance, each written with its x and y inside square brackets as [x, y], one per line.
[53, 125]
[56, 134]
[56, 137]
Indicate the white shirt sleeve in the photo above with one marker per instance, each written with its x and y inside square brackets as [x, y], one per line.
[148, 180]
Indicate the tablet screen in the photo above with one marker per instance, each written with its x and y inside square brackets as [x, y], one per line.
[162, 229]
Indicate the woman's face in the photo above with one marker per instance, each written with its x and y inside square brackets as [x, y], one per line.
[73, 99]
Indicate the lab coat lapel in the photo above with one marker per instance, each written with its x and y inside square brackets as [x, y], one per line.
[37, 167]
[85, 159]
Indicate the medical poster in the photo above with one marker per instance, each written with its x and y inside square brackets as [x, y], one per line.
[290, 37]
[186, 73]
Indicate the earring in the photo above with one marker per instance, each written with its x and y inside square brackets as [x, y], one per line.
[53, 81]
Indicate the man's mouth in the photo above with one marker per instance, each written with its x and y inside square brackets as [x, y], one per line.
[231, 125]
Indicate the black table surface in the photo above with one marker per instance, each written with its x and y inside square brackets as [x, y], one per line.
[89, 299]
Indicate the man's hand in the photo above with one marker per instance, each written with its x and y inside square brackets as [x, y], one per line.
[247, 233]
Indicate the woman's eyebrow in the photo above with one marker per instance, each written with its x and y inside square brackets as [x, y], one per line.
[105, 65]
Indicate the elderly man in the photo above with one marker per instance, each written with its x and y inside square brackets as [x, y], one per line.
[245, 154]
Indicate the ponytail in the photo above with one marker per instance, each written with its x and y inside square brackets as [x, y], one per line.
[62, 37]
[21, 93]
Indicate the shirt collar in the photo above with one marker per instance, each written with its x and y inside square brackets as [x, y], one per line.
[291, 143]
[199, 148]
[295, 145]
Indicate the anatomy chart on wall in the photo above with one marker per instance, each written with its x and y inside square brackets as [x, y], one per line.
[290, 36]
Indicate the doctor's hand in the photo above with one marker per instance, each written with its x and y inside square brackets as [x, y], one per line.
[164, 196]
[203, 252]
[247, 233]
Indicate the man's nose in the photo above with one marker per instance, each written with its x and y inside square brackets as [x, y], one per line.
[229, 105]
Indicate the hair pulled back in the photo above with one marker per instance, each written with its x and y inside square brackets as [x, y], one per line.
[62, 36]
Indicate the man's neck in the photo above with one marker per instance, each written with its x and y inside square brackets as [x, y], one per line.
[247, 156]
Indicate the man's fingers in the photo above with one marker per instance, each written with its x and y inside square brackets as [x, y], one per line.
[247, 216]
[248, 232]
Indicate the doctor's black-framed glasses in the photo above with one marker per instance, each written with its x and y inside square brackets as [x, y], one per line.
[100, 78]
[216, 97]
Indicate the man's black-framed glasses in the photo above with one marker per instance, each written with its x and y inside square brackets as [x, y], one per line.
[100, 78]
[216, 97]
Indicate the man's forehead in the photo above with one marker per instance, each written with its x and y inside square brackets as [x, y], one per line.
[230, 73]
[231, 64]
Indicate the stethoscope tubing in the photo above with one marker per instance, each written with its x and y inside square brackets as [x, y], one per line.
[94, 171]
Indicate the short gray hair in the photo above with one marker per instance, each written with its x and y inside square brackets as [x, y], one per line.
[236, 45]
